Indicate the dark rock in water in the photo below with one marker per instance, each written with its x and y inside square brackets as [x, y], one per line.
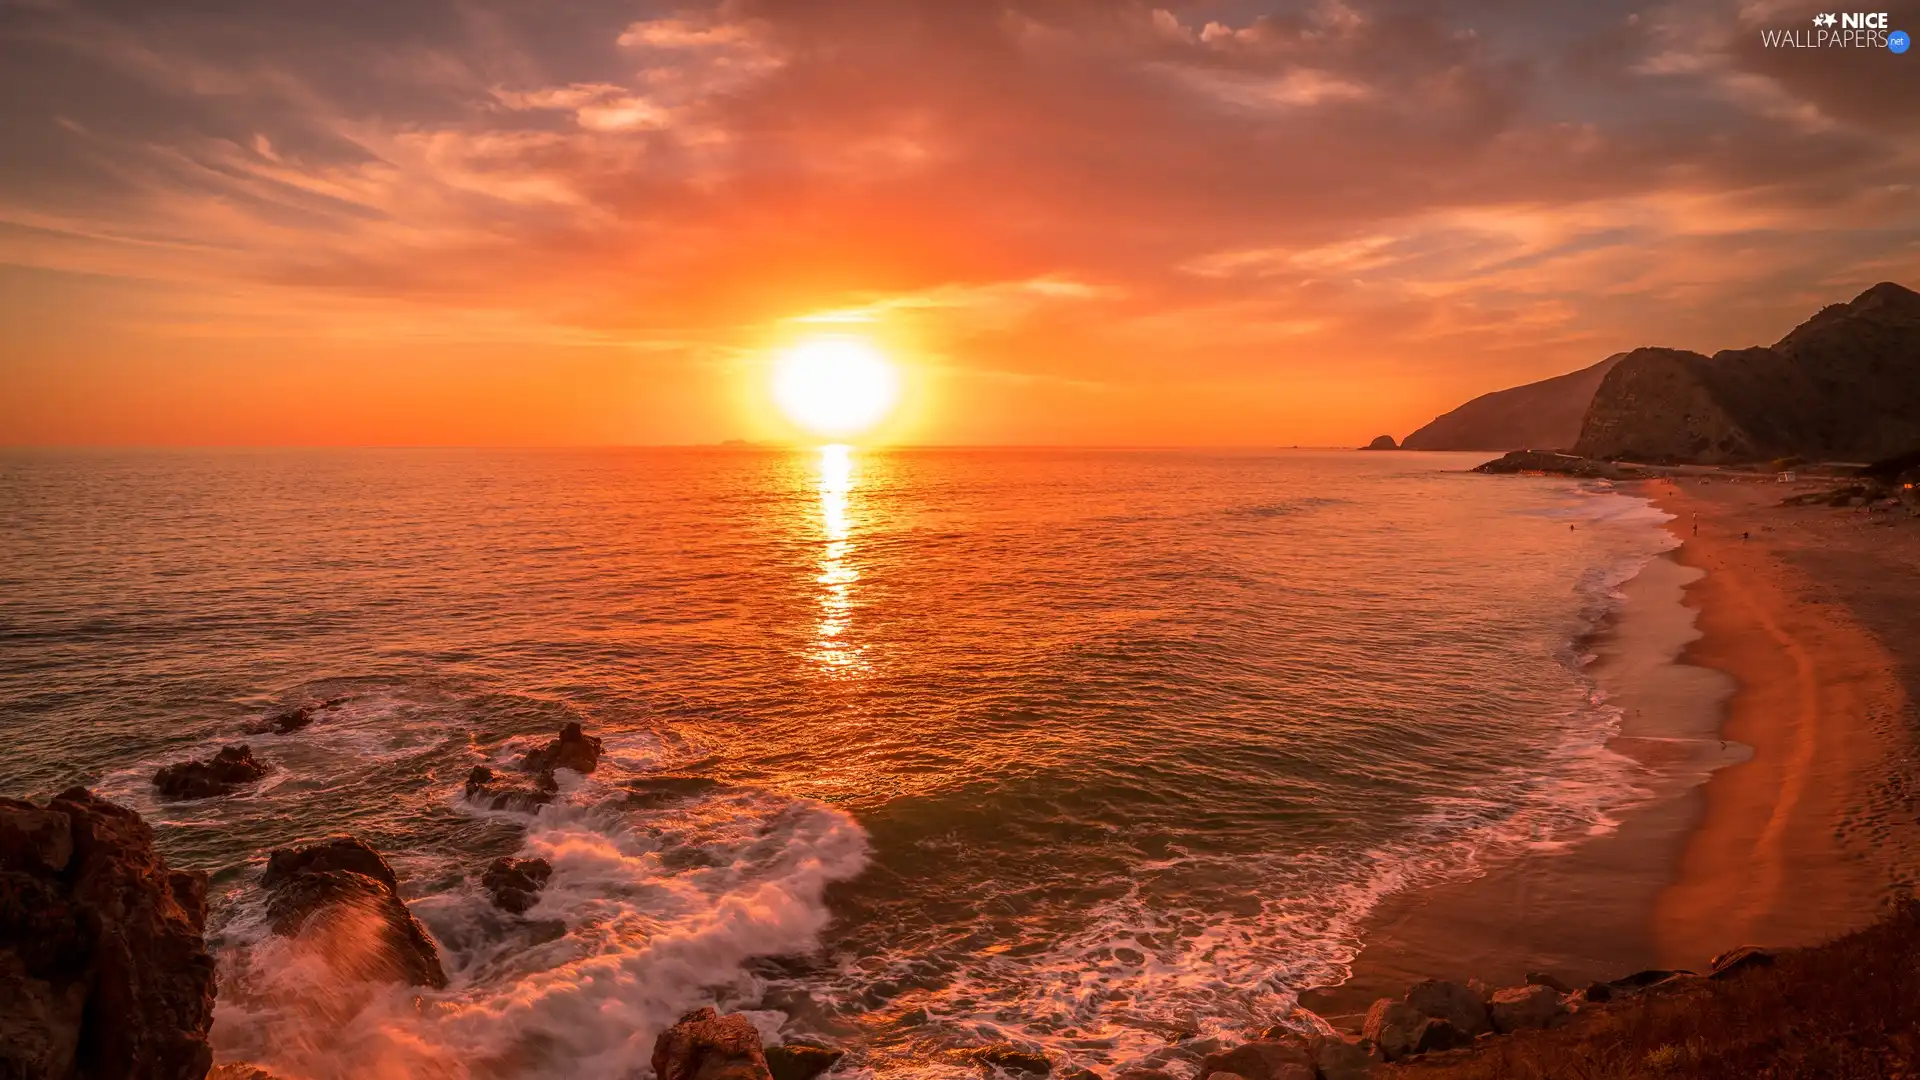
[1449, 1001]
[707, 1046]
[801, 1061]
[1541, 978]
[292, 720]
[1144, 1074]
[1734, 961]
[516, 883]
[348, 853]
[1262, 1059]
[1011, 1058]
[218, 775]
[1545, 461]
[342, 897]
[1382, 442]
[103, 970]
[1082, 1074]
[574, 749]
[497, 792]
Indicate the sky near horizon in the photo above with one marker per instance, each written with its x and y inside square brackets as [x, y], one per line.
[498, 222]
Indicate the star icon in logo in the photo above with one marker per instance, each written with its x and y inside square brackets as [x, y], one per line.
[1824, 20]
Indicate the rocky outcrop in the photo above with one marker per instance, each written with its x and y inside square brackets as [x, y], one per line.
[1844, 385]
[516, 883]
[801, 1060]
[292, 720]
[1526, 1008]
[574, 749]
[342, 898]
[1555, 464]
[1460, 1006]
[1382, 442]
[103, 970]
[496, 792]
[1544, 415]
[1734, 961]
[217, 775]
[1262, 1059]
[707, 1046]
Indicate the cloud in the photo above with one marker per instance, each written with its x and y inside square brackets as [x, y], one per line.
[1361, 187]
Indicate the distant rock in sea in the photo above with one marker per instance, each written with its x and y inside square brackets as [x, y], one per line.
[574, 749]
[1382, 442]
[103, 969]
[1844, 385]
[1544, 415]
[496, 792]
[292, 720]
[516, 883]
[218, 775]
[332, 895]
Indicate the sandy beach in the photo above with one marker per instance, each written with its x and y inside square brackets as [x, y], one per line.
[1767, 688]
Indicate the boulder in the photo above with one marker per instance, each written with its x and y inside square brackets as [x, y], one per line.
[1262, 1059]
[1734, 961]
[1525, 1008]
[496, 792]
[1010, 1058]
[1394, 1027]
[1599, 991]
[1449, 1001]
[292, 720]
[1337, 1059]
[516, 884]
[218, 775]
[800, 1060]
[1541, 978]
[704, 1045]
[103, 969]
[574, 749]
[341, 898]
[1437, 1033]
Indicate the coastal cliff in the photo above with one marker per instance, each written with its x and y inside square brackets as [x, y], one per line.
[1844, 385]
[1544, 415]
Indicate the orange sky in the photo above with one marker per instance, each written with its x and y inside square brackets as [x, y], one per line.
[480, 222]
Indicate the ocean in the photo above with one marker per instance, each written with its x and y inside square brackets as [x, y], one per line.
[1106, 753]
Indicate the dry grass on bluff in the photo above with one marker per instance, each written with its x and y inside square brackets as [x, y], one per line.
[1846, 1010]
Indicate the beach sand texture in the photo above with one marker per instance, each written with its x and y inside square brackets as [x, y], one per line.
[1767, 687]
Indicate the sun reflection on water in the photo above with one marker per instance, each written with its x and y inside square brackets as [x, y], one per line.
[837, 572]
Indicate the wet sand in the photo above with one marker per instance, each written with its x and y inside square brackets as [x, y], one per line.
[1767, 689]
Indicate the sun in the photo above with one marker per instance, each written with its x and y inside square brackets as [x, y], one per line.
[835, 386]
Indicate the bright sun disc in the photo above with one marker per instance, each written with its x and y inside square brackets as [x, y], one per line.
[835, 386]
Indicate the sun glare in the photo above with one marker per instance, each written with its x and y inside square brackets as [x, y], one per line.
[835, 386]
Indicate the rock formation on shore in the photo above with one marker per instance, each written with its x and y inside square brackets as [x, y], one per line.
[218, 775]
[1382, 442]
[103, 970]
[574, 749]
[1844, 385]
[1544, 415]
[1557, 464]
[341, 896]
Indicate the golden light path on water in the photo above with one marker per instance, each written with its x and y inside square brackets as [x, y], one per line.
[837, 572]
